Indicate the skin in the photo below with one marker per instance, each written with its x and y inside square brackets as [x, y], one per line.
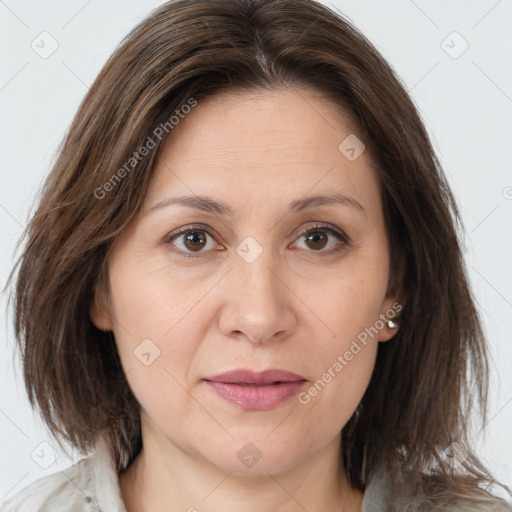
[296, 307]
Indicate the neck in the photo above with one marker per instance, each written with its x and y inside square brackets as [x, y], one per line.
[165, 478]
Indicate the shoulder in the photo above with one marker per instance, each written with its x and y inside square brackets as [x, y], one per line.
[381, 496]
[69, 489]
[90, 485]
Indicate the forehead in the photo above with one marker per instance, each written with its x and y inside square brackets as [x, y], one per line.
[263, 145]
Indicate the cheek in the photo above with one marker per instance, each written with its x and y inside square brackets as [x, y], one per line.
[152, 300]
[343, 369]
[343, 358]
[346, 302]
[154, 330]
[341, 380]
[157, 371]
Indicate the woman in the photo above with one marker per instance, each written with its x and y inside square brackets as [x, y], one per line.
[243, 286]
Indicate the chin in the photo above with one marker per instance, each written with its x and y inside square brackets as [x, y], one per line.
[247, 456]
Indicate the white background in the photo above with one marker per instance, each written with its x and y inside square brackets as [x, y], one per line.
[466, 103]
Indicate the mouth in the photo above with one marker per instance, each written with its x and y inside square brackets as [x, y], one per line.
[256, 390]
[266, 377]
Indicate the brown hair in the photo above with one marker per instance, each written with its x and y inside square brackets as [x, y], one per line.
[421, 393]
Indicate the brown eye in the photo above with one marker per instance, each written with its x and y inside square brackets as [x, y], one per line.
[190, 241]
[316, 238]
[194, 240]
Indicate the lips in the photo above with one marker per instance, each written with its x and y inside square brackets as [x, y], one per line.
[250, 377]
[256, 390]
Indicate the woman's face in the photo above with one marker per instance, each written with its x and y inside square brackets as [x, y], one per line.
[198, 289]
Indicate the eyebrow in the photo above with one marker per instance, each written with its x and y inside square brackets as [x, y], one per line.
[210, 205]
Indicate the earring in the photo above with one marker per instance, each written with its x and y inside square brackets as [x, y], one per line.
[393, 323]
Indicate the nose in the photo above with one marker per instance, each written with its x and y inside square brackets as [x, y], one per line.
[257, 303]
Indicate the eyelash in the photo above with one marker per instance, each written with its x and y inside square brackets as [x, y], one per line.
[344, 240]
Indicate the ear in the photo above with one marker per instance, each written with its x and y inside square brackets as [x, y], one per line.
[99, 310]
[396, 295]
[391, 309]
[394, 301]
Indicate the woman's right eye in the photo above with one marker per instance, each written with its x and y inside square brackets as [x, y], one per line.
[192, 240]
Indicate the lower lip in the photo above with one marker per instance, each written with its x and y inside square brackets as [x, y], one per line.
[256, 397]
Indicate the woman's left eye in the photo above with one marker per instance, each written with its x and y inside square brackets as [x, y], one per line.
[317, 238]
[195, 238]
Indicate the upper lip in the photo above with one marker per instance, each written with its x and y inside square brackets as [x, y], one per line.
[250, 377]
